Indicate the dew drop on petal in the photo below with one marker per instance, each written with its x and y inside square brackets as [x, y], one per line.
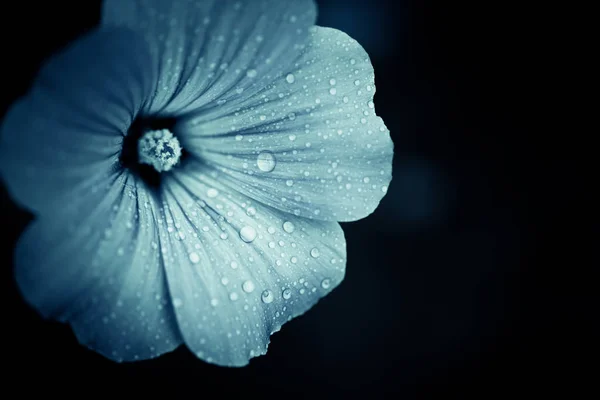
[266, 161]
[248, 234]
[288, 227]
[248, 286]
[233, 296]
[326, 283]
[286, 294]
[212, 192]
[314, 253]
[177, 302]
[290, 78]
[194, 257]
[267, 296]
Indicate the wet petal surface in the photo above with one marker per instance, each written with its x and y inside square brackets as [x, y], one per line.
[207, 53]
[96, 264]
[238, 270]
[310, 142]
[70, 125]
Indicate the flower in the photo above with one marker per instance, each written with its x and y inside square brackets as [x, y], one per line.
[186, 163]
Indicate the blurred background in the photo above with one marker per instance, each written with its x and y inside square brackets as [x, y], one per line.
[448, 288]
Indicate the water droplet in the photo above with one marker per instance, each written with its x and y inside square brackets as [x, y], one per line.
[357, 82]
[326, 283]
[251, 73]
[286, 294]
[177, 302]
[332, 91]
[294, 260]
[384, 189]
[371, 104]
[314, 252]
[224, 280]
[288, 227]
[266, 161]
[290, 78]
[248, 234]
[267, 296]
[214, 302]
[212, 193]
[248, 286]
[251, 211]
[194, 257]
[332, 82]
[233, 265]
[289, 182]
[233, 296]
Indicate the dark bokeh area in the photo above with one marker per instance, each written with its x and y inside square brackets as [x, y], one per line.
[448, 288]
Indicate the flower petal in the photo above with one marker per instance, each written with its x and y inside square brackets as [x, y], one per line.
[238, 269]
[310, 143]
[71, 123]
[210, 52]
[96, 264]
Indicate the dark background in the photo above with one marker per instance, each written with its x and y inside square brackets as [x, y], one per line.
[452, 285]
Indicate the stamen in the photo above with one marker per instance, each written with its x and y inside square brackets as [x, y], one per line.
[159, 149]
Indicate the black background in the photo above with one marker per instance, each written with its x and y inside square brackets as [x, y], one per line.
[449, 288]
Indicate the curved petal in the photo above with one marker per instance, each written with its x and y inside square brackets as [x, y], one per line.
[71, 123]
[96, 264]
[239, 270]
[310, 143]
[209, 52]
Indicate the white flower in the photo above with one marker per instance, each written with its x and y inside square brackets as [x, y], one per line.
[271, 138]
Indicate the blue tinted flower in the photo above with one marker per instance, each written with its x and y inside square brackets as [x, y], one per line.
[251, 133]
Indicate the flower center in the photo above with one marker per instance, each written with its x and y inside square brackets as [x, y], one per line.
[159, 149]
[151, 148]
